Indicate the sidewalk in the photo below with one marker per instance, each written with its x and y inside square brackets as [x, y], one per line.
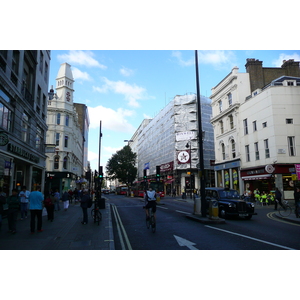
[65, 233]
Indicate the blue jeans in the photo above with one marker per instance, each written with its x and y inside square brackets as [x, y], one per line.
[24, 210]
[56, 205]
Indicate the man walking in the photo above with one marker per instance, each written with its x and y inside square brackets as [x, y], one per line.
[36, 199]
[277, 198]
[24, 195]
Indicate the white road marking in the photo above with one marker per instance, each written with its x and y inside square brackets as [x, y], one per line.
[183, 242]
[251, 238]
[184, 212]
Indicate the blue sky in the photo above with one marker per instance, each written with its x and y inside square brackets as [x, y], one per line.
[121, 88]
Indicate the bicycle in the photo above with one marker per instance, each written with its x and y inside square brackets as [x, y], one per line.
[150, 222]
[96, 214]
[285, 210]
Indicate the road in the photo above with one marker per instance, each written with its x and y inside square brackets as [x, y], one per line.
[176, 232]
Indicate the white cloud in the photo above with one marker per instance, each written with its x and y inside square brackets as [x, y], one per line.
[111, 119]
[126, 72]
[217, 58]
[132, 93]
[79, 57]
[278, 62]
[77, 74]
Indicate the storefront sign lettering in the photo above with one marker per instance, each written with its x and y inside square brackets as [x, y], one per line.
[297, 167]
[22, 152]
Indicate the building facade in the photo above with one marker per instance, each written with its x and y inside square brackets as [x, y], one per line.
[256, 127]
[170, 141]
[67, 135]
[24, 77]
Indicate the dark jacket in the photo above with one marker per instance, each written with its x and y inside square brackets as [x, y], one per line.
[84, 200]
[13, 202]
[278, 195]
[2, 201]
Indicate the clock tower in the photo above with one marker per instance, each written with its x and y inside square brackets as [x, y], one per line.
[64, 84]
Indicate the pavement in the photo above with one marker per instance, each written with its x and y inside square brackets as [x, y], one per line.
[65, 232]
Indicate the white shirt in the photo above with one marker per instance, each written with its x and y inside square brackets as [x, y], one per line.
[24, 196]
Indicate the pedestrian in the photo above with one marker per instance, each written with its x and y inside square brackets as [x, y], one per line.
[70, 196]
[277, 198]
[57, 198]
[297, 202]
[36, 199]
[84, 205]
[2, 202]
[13, 202]
[49, 205]
[65, 200]
[24, 195]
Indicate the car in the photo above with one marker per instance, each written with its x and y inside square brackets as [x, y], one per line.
[105, 191]
[230, 203]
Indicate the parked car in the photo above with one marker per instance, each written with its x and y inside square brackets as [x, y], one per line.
[230, 203]
[105, 191]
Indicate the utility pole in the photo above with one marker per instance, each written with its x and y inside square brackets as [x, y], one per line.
[200, 142]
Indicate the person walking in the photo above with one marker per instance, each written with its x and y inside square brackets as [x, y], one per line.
[277, 198]
[84, 205]
[65, 200]
[24, 195]
[57, 198]
[13, 202]
[49, 205]
[36, 199]
[2, 202]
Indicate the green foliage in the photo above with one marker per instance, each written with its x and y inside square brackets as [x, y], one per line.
[121, 166]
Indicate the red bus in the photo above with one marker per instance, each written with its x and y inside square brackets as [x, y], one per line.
[138, 188]
[121, 190]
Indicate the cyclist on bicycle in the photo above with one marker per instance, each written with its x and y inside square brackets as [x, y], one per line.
[150, 201]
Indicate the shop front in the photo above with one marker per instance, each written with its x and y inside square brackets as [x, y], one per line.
[61, 181]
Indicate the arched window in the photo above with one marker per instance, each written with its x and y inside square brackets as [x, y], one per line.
[223, 151]
[233, 148]
[65, 164]
[56, 162]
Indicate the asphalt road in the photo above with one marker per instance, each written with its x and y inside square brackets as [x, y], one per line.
[176, 232]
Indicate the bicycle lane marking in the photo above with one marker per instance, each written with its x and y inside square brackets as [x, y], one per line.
[251, 238]
[270, 216]
[121, 227]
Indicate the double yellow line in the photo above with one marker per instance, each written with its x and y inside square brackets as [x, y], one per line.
[121, 230]
[271, 216]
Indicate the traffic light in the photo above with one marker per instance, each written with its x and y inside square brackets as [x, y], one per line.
[101, 172]
[157, 173]
[145, 174]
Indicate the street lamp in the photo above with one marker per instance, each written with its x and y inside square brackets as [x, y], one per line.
[189, 145]
[129, 141]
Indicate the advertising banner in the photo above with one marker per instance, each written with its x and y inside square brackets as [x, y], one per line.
[297, 167]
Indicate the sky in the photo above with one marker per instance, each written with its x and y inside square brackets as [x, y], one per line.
[123, 87]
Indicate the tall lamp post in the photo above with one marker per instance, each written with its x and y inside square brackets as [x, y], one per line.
[200, 141]
[189, 145]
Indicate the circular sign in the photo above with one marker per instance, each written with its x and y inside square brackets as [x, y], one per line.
[3, 139]
[269, 168]
[183, 156]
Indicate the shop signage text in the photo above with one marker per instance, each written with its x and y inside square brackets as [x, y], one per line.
[22, 152]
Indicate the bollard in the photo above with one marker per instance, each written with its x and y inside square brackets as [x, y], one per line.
[158, 198]
[213, 209]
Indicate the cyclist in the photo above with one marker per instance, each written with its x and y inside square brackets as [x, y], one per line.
[150, 201]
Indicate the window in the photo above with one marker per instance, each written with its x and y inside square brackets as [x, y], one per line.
[46, 72]
[220, 106]
[5, 118]
[256, 151]
[231, 124]
[65, 163]
[39, 138]
[289, 121]
[264, 125]
[290, 83]
[56, 162]
[58, 119]
[267, 150]
[229, 99]
[15, 61]
[245, 126]
[57, 135]
[233, 148]
[247, 153]
[25, 128]
[291, 145]
[223, 151]
[221, 127]
[67, 120]
[254, 126]
[41, 61]
[66, 141]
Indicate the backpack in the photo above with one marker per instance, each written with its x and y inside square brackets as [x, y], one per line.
[89, 202]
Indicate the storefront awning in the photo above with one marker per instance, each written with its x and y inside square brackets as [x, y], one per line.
[257, 177]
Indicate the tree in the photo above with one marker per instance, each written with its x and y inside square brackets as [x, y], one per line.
[121, 166]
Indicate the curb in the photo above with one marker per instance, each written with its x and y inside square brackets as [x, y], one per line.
[205, 220]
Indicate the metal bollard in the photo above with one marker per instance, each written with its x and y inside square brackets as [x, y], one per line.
[213, 209]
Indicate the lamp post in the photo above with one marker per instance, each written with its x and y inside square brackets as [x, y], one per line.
[129, 141]
[189, 145]
[200, 141]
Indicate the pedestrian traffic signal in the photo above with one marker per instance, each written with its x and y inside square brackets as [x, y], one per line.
[145, 174]
[157, 173]
[101, 172]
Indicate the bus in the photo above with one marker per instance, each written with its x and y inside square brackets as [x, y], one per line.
[121, 190]
[138, 187]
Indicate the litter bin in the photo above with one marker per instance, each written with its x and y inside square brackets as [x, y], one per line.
[213, 209]
[101, 203]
